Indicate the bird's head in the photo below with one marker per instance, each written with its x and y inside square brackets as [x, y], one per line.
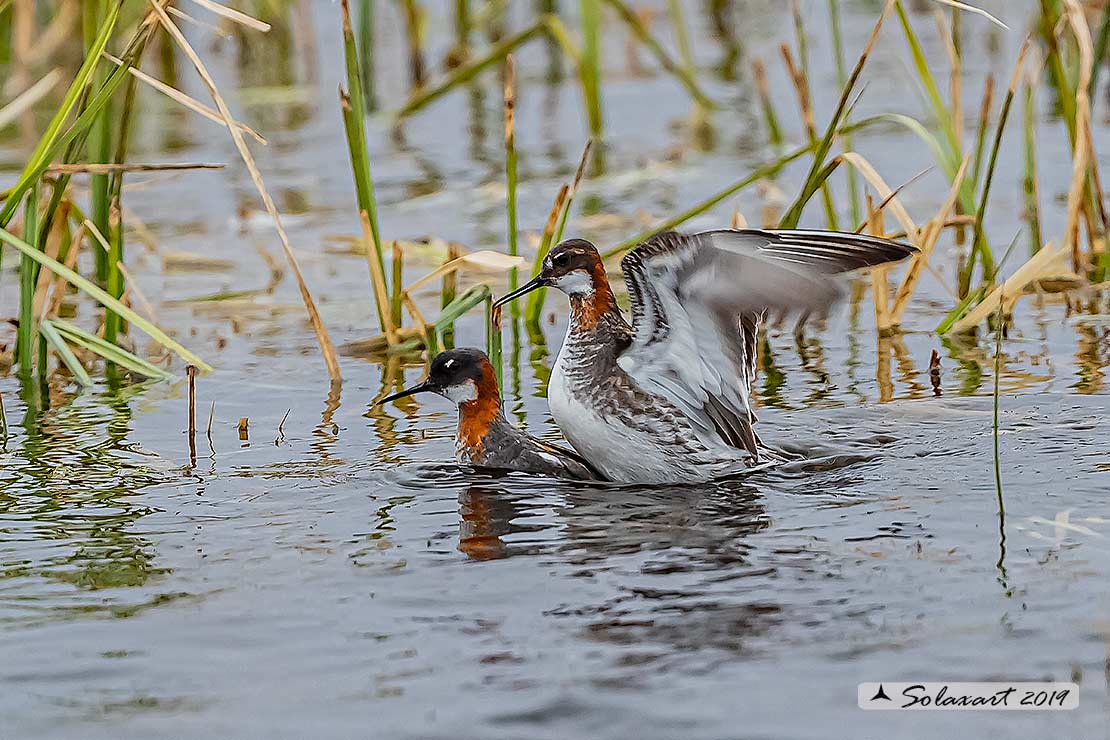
[573, 266]
[461, 375]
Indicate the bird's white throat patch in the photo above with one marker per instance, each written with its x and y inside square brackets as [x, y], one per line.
[461, 393]
[577, 282]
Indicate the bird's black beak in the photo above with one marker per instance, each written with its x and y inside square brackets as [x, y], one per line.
[537, 282]
[418, 388]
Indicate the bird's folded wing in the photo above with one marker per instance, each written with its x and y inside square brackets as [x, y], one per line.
[696, 304]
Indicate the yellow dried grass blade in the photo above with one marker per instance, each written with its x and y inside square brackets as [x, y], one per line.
[104, 298]
[929, 236]
[327, 349]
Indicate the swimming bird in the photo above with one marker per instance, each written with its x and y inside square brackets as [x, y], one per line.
[667, 399]
[485, 438]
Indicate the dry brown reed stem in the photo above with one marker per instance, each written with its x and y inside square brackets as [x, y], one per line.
[510, 99]
[58, 32]
[234, 15]
[326, 346]
[191, 371]
[880, 288]
[51, 249]
[927, 240]
[1047, 262]
[23, 29]
[377, 280]
[189, 102]
[1080, 160]
[805, 104]
[58, 292]
[894, 194]
[450, 278]
[890, 197]
[972, 9]
[1082, 32]
[108, 167]
[553, 214]
[412, 34]
[983, 121]
[417, 319]
[210, 27]
[95, 233]
[801, 89]
[821, 150]
[26, 99]
[133, 288]
[934, 372]
[759, 74]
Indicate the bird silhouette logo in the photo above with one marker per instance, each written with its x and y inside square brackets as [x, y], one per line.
[880, 694]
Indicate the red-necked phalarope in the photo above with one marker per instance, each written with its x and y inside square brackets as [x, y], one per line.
[484, 437]
[667, 399]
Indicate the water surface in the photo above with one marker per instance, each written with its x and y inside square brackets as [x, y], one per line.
[334, 575]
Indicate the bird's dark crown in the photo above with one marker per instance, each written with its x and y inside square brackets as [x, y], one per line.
[568, 256]
[456, 366]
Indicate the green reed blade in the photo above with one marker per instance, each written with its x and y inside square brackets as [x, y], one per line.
[110, 352]
[553, 235]
[354, 122]
[1065, 96]
[64, 353]
[817, 182]
[590, 72]
[366, 50]
[940, 110]
[104, 298]
[994, 423]
[463, 303]
[493, 341]
[971, 300]
[113, 326]
[40, 157]
[98, 143]
[794, 213]
[1030, 186]
[28, 279]
[966, 194]
[684, 74]
[841, 79]
[979, 246]
[767, 170]
[467, 72]
[981, 130]
[54, 144]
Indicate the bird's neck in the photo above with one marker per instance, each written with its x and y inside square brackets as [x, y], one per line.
[591, 309]
[478, 417]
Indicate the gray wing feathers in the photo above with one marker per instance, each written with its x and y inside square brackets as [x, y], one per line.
[696, 305]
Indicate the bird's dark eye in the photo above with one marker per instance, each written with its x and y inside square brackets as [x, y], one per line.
[561, 260]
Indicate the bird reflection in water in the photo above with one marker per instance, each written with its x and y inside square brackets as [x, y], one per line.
[597, 521]
[486, 516]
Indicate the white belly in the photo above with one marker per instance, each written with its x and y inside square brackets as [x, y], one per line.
[622, 454]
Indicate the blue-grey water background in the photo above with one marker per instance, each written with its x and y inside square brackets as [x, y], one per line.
[336, 576]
